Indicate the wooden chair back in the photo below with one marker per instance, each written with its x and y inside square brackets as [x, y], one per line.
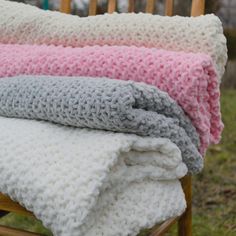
[197, 8]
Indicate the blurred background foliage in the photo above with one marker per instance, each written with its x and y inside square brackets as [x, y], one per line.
[214, 198]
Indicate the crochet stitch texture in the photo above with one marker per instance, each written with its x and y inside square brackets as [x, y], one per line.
[87, 182]
[115, 105]
[24, 24]
[77, 180]
[188, 78]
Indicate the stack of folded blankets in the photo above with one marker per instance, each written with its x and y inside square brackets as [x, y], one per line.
[101, 116]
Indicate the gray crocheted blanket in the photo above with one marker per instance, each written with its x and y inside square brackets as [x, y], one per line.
[114, 105]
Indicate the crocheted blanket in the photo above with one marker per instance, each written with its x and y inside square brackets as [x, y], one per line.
[20, 23]
[78, 185]
[115, 105]
[188, 78]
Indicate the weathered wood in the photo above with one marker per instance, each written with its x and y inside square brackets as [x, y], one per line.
[185, 221]
[131, 6]
[164, 227]
[198, 7]
[111, 6]
[92, 7]
[169, 5]
[150, 5]
[6, 204]
[7, 231]
[65, 6]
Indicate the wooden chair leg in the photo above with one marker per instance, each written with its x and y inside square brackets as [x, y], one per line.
[185, 221]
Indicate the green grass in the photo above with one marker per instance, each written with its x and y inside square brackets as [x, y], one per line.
[214, 190]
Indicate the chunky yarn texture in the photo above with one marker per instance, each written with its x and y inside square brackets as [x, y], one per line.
[188, 78]
[20, 23]
[83, 182]
[114, 105]
[101, 116]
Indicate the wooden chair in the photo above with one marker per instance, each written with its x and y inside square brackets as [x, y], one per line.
[184, 221]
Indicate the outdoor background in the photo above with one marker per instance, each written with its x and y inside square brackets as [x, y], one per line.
[214, 190]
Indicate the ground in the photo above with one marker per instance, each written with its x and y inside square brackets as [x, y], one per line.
[214, 190]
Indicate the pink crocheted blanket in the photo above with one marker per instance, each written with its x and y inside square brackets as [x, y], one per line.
[189, 78]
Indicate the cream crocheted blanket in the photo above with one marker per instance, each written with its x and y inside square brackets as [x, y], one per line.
[78, 185]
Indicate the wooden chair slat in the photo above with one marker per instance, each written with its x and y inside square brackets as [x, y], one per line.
[164, 227]
[169, 4]
[198, 7]
[7, 231]
[111, 6]
[65, 6]
[131, 6]
[150, 5]
[10, 206]
[185, 220]
[92, 7]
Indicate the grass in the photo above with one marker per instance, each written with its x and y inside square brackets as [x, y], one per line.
[214, 190]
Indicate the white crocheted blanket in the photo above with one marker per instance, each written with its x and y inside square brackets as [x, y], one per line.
[82, 182]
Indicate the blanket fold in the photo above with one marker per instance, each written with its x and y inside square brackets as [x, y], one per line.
[188, 78]
[122, 106]
[82, 182]
[21, 23]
